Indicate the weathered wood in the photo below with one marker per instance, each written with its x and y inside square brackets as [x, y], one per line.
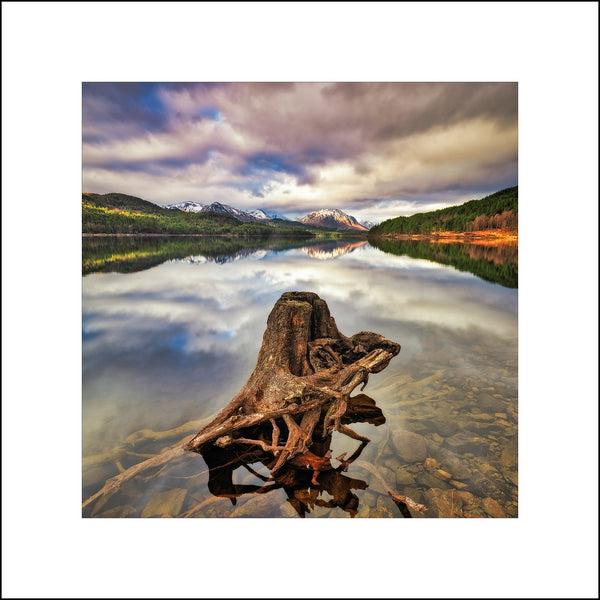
[305, 373]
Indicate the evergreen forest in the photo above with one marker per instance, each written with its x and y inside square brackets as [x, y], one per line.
[497, 211]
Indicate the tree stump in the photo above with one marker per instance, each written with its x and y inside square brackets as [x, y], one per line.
[305, 373]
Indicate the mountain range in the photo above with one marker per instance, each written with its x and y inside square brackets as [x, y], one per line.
[223, 209]
[332, 218]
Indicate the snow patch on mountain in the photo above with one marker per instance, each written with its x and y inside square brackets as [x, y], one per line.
[260, 214]
[186, 206]
[225, 209]
[332, 217]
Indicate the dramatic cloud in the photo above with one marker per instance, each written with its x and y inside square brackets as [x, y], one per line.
[376, 150]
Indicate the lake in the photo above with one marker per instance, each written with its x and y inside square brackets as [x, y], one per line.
[171, 331]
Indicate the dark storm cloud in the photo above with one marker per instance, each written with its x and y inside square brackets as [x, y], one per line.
[130, 106]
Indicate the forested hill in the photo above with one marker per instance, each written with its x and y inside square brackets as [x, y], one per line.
[123, 202]
[497, 211]
[120, 213]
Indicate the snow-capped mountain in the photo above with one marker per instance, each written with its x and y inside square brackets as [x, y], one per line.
[368, 224]
[186, 206]
[225, 209]
[332, 217]
[257, 214]
[260, 214]
[278, 216]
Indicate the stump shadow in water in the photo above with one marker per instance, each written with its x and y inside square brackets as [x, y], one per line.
[304, 479]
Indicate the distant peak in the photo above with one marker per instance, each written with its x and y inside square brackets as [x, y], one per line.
[332, 217]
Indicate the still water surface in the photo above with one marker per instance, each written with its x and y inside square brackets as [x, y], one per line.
[167, 346]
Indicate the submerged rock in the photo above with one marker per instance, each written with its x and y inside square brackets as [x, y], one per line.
[511, 476]
[446, 428]
[481, 417]
[165, 504]
[492, 508]
[455, 466]
[388, 476]
[474, 513]
[118, 512]
[444, 504]
[403, 477]
[265, 505]
[428, 480]
[509, 454]
[465, 442]
[411, 447]
[432, 464]
[458, 484]
[484, 486]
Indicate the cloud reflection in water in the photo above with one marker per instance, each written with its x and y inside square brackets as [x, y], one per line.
[176, 342]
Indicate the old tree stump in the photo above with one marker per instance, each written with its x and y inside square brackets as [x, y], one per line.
[301, 386]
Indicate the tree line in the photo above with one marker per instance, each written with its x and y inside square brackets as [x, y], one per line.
[497, 211]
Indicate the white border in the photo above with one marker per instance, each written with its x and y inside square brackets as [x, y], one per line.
[48, 49]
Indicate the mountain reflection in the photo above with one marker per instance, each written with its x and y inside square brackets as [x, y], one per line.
[495, 263]
[312, 482]
[128, 254]
[331, 249]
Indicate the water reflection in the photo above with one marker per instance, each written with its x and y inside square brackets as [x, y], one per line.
[496, 262]
[127, 254]
[332, 249]
[174, 343]
[312, 481]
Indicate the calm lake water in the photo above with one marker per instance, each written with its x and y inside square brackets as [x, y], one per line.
[171, 332]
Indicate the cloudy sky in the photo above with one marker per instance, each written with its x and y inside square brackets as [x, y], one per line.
[374, 150]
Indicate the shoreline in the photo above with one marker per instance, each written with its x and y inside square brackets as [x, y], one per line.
[229, 235]
[292, 236]
[488, 237]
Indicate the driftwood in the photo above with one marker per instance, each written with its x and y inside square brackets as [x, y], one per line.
[305, 373]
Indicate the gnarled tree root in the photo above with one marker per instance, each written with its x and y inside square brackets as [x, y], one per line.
[305, 373]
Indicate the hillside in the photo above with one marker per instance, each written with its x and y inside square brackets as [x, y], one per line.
[120, 213]
[497, 211]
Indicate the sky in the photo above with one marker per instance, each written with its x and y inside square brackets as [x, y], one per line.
[373, 150]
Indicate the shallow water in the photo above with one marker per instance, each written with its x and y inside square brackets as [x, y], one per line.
[167, 344]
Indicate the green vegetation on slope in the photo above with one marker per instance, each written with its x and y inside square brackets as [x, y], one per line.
[496, 264]
[120, 213]
[497, 211]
